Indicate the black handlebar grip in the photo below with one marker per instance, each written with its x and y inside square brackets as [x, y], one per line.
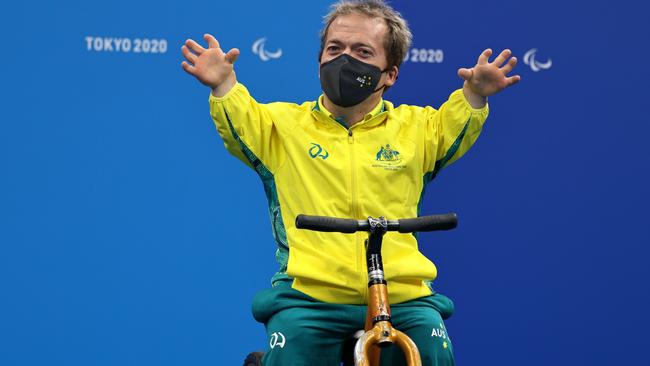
[327, 224]
[429, 223]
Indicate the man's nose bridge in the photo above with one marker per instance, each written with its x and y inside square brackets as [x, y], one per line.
[347, 50]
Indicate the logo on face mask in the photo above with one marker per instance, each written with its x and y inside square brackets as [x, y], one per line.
[364, 81]
[347, 81]
[317, 151]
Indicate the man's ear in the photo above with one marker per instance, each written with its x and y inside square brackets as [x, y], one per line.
[392, 76]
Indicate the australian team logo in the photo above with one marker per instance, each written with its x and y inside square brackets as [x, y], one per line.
[317, 151]
[277, 339]
[388, 158]
[387, 154]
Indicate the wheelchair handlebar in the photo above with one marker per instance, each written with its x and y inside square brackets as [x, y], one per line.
[349, 226]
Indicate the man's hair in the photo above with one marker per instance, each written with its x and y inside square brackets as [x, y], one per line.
[398, 38]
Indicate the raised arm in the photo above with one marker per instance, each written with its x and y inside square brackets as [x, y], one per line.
[488, 78]
[246, 126]
[211, 66]
[456, 125]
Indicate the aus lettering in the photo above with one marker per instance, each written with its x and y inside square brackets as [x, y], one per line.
[439, 332]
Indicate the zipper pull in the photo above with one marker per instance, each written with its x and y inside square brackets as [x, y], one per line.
[350, 137]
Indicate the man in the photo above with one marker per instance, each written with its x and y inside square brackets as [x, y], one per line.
[336, 157]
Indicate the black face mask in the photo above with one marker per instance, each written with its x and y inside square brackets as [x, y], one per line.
[347, 81]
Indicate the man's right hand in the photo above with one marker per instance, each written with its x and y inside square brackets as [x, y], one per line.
[211, 66]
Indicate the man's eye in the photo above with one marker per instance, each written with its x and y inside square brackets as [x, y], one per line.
[365, 52]
[332, 49]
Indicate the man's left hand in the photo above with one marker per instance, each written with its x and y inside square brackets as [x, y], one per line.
[488, 78]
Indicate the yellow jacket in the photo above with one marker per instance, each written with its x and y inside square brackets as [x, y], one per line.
[310, 163]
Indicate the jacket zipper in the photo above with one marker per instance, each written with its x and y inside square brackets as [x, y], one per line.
[360, 249]
[355, 213]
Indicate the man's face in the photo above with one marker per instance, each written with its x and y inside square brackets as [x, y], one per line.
[360, 37]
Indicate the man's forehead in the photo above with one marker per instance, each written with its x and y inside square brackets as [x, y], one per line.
[358, 28]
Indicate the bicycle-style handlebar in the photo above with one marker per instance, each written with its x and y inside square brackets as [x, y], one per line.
[379, 330]
[349, 226]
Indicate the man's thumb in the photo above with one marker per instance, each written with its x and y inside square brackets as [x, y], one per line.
[465, 74]
[232, 55]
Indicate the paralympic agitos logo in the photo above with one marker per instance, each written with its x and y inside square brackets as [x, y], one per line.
[258, 49]
[530, 60]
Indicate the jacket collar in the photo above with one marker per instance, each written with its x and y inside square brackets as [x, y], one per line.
[319, 110]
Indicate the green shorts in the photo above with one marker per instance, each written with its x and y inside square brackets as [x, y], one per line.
[303, 331]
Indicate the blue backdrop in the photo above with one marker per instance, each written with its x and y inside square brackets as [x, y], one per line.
[124, 224]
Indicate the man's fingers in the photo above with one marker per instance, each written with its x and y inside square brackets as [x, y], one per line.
[513, 80]
[503, 56]
[485, 55]
[509, 66]
[212, 42]
[195, 47]
[232, 55]
[189, 56]
[188, 68]
[465, 74]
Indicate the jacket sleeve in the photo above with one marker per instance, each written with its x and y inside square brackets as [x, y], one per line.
[247, 129]
[451, 131]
